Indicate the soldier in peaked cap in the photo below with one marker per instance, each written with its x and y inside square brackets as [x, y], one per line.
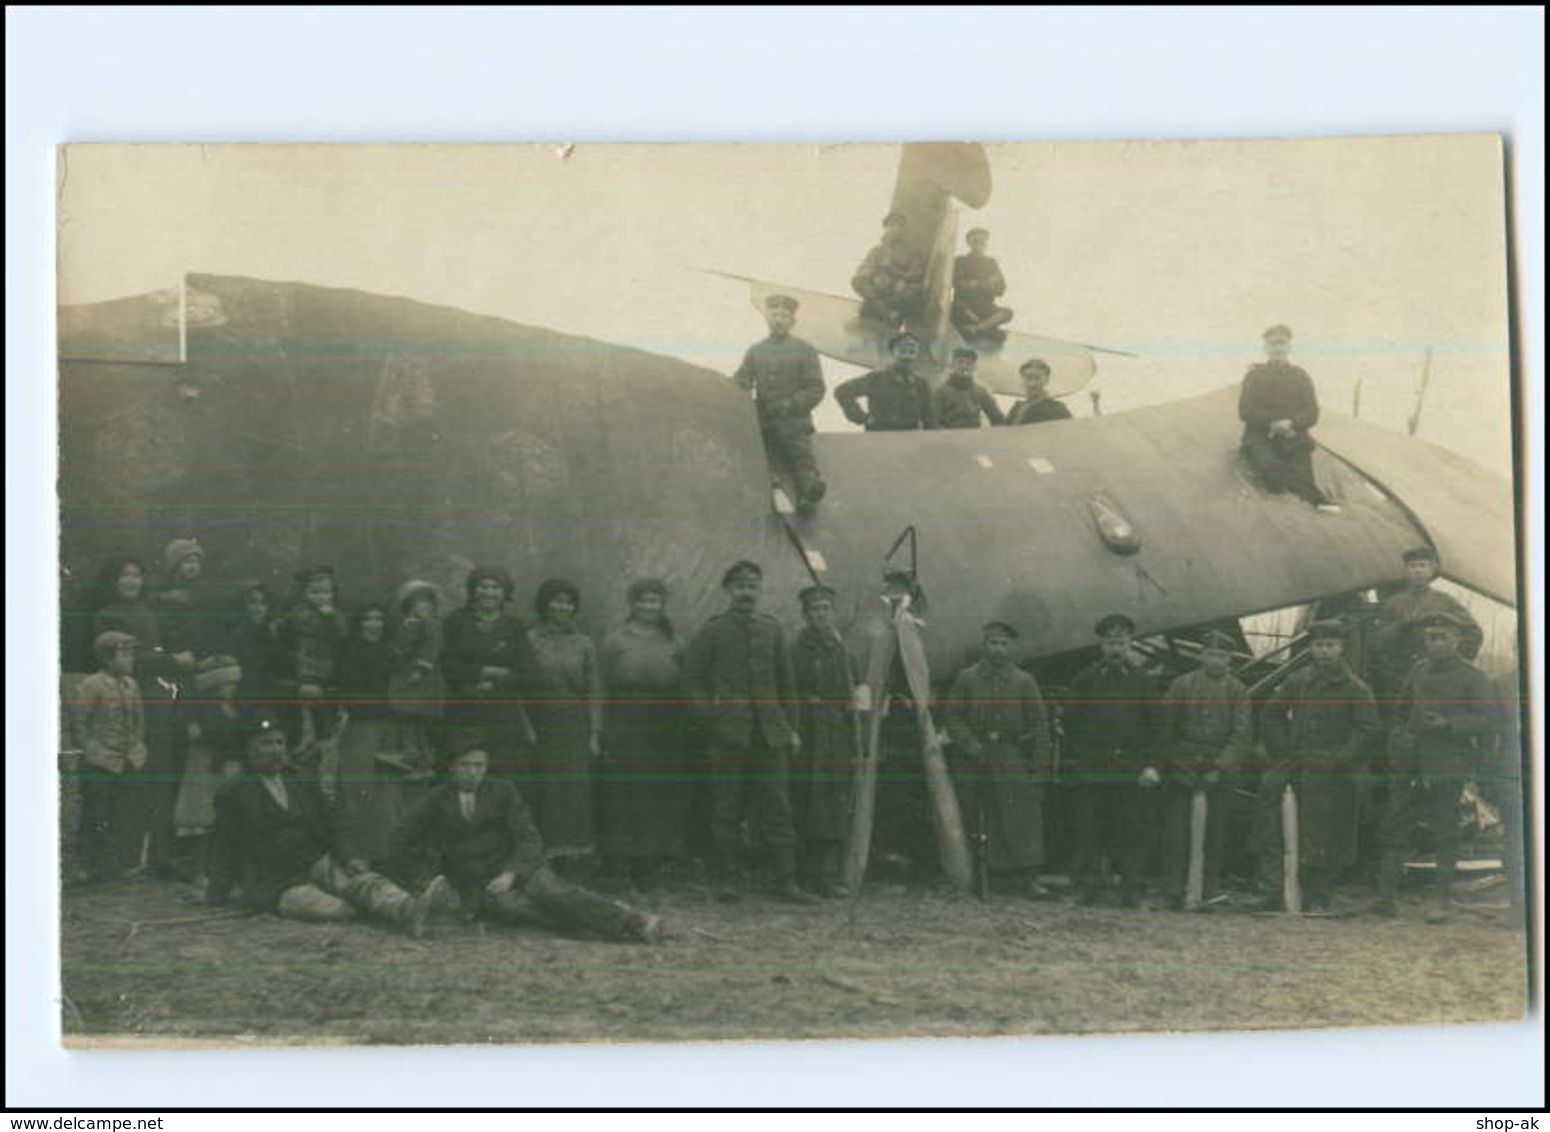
[1446, 718]
[738, 668]
[1037, 405]
[1113, 760]
[787, 383]
[1319, 727]
[891, 280]
[825, 680]
[977, 284]
[1279, 407]
[1002, 759]
[961, 401]
[1209, 728]
[1397, 642]
[897, 398]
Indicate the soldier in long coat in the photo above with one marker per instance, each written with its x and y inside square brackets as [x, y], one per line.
[787, 381]
[1279, 407]
[821, 771]
[1114, 754]
[1446, 719]
[1318, 727]
[1002, 757]
[738, 668]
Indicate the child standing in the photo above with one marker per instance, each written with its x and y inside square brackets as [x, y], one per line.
[109, 720]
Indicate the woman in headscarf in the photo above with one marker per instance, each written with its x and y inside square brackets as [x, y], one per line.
[487, 663]
[568, 717]
[645, 783]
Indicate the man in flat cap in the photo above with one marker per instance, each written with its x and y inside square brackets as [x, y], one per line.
[277, 843]
[825, 681]
[1113, 760]
[1209, 727]
[738, 669]
[1447, 718]
[961, 402]
[891, 280]
[479, 835]
[787, 383]
[897, 398]
[1037, 405]
[1397, 642]
[1002, 759]
[1319, 727]
[1278, 407]
[977, 284]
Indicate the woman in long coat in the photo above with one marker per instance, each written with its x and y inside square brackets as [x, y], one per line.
[376, 746]
[568, 718]
[821, 771]
[487, 663]
[646, 785]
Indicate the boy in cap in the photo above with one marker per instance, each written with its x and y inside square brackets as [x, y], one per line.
[891, 280]
[961, 401]
[821, 772]
[277, 843]
[1397, 642]
[738, 669]
[1209, 727]
[1037, 405]
[787, 382]
[1001, 743]
[1318, 727]
[1446, 717]
[1114, 757]
[897, 398]
[479, 835]
[108, 719]
[1278, 406]
[977, 284]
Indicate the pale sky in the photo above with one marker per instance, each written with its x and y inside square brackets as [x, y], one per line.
[1371, 249]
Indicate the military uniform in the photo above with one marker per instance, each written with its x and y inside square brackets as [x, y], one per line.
[1209, 727]
[739, 671]
[897, 400]
[821, 778]
[1397, 644]
[1037, 412]
[1112, 733]
[1430, 766]
[977, 284]
[1318, 729]
[1002, 759]
[787, 381]
[960, 406]
[891, 281]
[1274, 391]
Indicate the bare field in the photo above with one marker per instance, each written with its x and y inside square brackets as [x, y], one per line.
[142, 961]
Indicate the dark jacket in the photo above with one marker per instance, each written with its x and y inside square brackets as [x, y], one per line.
[1462, 695]
[435, 837]
[786, 378]
[1320, 723]
[1114, 724]
[1037, 412]
[739, 673]
[961, 407]
[263, 849]
[1274, 391]
[896, 400]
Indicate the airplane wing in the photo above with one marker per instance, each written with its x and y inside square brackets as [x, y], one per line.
[836, 329]
[1008, 525]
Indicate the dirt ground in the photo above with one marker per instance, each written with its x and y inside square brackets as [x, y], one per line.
[145, 960]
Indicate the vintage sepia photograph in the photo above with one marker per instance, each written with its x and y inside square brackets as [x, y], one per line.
[550, 593]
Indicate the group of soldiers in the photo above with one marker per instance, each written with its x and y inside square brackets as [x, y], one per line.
[892, 284]
[775, 738]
